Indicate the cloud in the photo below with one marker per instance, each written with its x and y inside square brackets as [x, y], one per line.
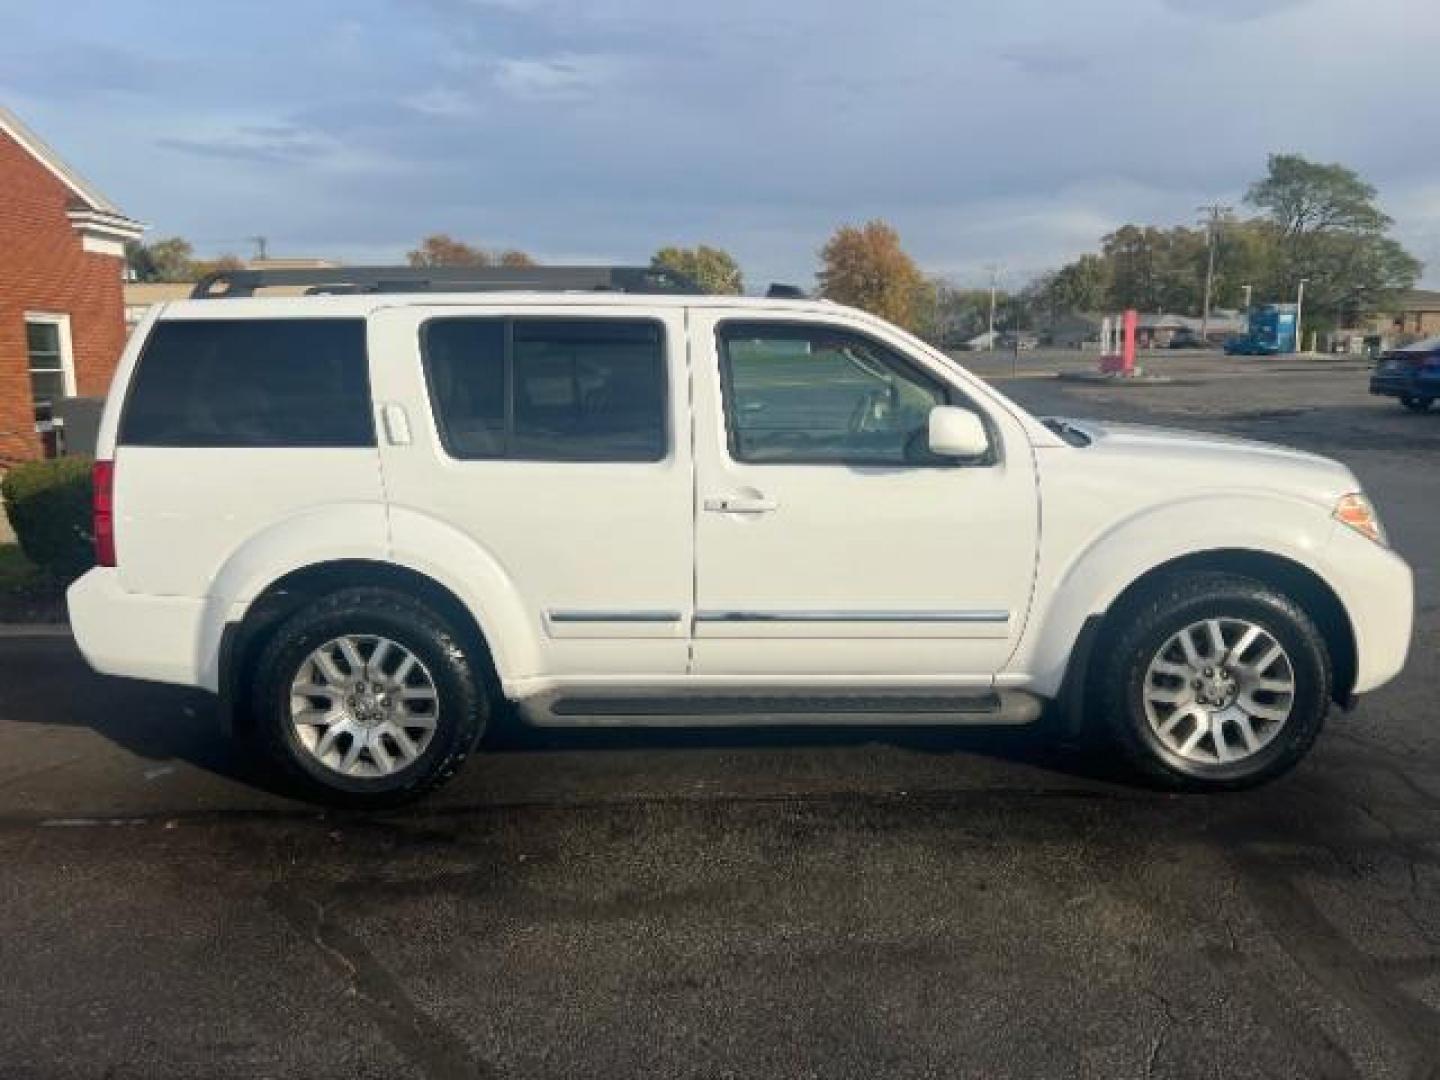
[264, 144]
[574, 126]
[1047, 59]
[1233, 10]
[554, 78]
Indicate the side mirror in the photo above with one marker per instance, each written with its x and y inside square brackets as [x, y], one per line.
[957, 433]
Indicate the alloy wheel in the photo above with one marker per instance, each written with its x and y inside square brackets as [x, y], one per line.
[363, 706]
[1219, 691]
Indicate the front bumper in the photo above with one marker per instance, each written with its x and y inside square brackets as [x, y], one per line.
[138, 636]
[1393, 386]
[1377, 588]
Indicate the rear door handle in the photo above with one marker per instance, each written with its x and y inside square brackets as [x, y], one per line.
[740, 504]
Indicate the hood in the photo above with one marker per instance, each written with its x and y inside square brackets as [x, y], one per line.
[1207, 460]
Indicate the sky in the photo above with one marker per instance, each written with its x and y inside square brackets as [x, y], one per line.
[1009, 133]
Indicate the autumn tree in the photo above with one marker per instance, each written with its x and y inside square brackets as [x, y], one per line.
[201, 267]
[438, 249]
[714, 270]
[441, 249]
[866, 267]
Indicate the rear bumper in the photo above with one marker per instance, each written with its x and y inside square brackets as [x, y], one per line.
[137, 636]
[1377, 589]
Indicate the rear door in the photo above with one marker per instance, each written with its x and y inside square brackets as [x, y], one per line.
[830, 547]
[557, 440]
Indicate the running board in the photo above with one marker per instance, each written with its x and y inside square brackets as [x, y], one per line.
[710, 709]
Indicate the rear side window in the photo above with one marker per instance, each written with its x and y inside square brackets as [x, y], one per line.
[548, 389]
[251, 383]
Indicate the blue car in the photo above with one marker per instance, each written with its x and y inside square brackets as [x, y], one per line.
[1410, 373]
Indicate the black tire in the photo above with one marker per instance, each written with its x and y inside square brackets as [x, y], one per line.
[1417, 404]
[1140, 631]
[462, 703]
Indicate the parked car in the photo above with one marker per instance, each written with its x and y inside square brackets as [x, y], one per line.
[371, 521]
[1189, 339]
[1410, 373]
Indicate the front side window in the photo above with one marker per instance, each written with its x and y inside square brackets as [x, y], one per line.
[812, 394]
[548, 389]
[251, 383]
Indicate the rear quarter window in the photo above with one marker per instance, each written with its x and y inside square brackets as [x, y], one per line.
[251, 383]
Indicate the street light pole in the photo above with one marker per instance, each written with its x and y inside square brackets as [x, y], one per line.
[1247, 289]
[1299, 310]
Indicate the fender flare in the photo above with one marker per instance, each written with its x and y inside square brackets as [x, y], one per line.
[369, 532]
[1088, 584]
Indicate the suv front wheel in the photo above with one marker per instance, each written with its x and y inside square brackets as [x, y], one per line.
[1215, 681]
[368, 698]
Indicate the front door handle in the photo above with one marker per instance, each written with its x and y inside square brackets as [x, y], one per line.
[740, 504]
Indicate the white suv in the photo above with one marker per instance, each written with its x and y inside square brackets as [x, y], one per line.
[369, 519]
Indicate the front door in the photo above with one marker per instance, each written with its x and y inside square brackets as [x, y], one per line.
[831, 547]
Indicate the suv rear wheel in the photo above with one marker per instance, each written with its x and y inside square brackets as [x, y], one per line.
[1215, 681]
[368, 698]
[1417, 404]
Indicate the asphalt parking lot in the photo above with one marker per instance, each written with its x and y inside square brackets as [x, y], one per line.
[746, 904]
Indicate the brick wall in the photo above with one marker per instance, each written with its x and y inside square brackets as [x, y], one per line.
[43, 267]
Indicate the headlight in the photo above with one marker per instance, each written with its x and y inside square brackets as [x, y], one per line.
[1355, 510]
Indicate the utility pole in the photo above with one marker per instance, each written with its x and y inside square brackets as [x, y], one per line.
[1215, 212]
[1299, 308]
[261, 244]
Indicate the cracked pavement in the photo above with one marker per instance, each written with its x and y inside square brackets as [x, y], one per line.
[851, 903]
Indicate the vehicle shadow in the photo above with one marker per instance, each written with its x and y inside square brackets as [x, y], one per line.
[46, 682]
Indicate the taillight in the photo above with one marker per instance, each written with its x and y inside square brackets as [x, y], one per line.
[102, 521]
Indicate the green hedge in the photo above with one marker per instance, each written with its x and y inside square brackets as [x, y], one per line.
[48, 503]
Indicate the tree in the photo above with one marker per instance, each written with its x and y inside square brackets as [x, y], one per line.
[441, 249]
[1083, 285]
[866, 267]
[213, 266]
[1303, 197]
[1154, 269]
[714, 270]
[170, 259]
[438, 249]
[1329, 232]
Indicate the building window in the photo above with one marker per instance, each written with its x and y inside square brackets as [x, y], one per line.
[52, 369]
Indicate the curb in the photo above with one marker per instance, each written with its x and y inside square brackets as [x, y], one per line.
[35, 630]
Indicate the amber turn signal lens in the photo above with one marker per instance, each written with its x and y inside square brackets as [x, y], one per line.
[1355, 510]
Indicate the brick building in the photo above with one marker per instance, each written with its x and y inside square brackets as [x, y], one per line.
[62, 320]
[1416, 314]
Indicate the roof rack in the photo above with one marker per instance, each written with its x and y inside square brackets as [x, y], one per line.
[346, 280]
